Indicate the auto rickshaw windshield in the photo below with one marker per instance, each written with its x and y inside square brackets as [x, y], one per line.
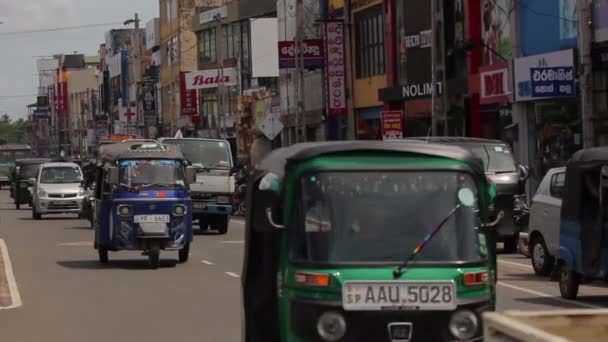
[29, 170]
[152, 173]
[351, 217]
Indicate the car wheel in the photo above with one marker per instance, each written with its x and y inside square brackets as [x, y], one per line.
[35, 215]
[542, 261]
[523, 247]
[184, 253]
[510, 245]
[203, 225]
[17, 206]
[568, 282]
[221, 225]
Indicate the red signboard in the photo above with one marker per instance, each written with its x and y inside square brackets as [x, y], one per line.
[189, 98]
[335, 68]
[494, 84]
[62, 90]
[312, 49]
[392, 125]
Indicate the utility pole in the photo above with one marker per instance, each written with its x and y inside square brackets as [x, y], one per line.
[439, 105]
[300, 119]
[433, 71]
[220, 45]
[586, 72]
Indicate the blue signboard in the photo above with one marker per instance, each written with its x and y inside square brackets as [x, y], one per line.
[552, 82]
[547, 25]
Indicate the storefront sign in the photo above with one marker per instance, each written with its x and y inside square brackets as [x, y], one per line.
[335, 68]
[210, 15]
[494, 84]
[204, 79]
[545, 26]
[600, 21]
[313, 53]
[392, 125]
[149, 96]
[409, 92]
[423, 40]
[545, 76]
[552, 81]
[189, 97]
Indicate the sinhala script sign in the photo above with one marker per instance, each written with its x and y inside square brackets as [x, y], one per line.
[545, 76]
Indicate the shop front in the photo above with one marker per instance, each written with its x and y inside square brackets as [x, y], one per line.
[546, 84]
[495, 94]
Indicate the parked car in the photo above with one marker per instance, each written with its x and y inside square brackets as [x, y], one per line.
[508, 176]
[59, 189]
[543, 229]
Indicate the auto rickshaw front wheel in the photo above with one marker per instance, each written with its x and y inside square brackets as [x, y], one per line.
[154, 256]
[103, 255]
[568, 282]
[17, 206]
[35, 215]
[184, 253]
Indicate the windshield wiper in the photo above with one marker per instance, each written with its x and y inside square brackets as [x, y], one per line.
[398, 272]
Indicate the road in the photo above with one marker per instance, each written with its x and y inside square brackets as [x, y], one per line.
[68, 296]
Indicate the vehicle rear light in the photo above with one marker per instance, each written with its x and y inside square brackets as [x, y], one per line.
[312, 279]
[475, 278]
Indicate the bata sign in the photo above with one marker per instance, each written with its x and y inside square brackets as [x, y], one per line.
[204, 79]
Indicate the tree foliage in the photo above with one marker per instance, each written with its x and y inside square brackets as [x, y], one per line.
[14, 131]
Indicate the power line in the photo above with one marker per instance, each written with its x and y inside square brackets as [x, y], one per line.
[55, 29]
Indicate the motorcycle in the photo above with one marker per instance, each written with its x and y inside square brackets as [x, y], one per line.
[521, 217]
[239, 203]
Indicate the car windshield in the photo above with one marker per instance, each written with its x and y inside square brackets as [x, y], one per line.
[29, 170]
[359, 217]
[496, 158]
[152, 173]
[60, 175]
[209, 153]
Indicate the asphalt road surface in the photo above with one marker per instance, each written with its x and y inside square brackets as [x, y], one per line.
[67, 296]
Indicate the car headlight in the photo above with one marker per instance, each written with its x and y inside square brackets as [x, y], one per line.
[331, 326]
[81, 192]
[464, 325]
[42, 193]
[125, 210]
[223, 199]
[179, 210]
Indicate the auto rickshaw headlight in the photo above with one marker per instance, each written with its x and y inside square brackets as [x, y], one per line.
[464, 325]
[331, 326]
[125, 210]
[179, 210]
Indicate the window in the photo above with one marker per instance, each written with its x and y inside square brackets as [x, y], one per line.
[208, 101]
[232, 37]
[207, 46]
[369, 28]
[558, 183]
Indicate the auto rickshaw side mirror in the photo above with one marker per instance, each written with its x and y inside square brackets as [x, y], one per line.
[523, 171]
[191, 174]
[113, 176]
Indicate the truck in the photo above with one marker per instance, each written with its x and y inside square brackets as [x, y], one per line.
[546, 326]
[215, 185]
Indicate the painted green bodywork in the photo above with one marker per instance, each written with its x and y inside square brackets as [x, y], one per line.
[289, 289]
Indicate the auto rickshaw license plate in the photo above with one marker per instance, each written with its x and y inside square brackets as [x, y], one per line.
[359, 296]
[152, 219]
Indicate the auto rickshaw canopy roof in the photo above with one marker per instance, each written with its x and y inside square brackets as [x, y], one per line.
[138, 150]
[279, 160]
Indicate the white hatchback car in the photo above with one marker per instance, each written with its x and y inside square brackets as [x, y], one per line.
[544, 224]
[58, 190]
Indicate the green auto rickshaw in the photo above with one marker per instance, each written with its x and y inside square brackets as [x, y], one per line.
[23, 178]
[368, 241]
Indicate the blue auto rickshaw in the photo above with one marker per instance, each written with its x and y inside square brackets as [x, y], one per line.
[142, 201]
[583, 250]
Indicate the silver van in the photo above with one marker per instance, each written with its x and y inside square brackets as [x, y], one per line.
[59, 189]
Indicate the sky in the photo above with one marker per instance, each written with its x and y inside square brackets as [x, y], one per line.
[18, 79]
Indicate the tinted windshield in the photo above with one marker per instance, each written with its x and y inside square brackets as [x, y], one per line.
[29, 170]
[152, 173]
[381, 217]
[207, 153]
[496, 158]
[60, 175]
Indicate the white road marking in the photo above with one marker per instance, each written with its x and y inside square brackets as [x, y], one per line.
[517, 264]
[237, 221]
[76, 244]
[207, 262]
[10, 279]
[545, 295]
[232, 242]
[233, 275]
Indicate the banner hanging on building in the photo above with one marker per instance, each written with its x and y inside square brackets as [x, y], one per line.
[189, 97]
[600, 21]
[204, 79]
[392, 125]
[149, 96]
[335, 68]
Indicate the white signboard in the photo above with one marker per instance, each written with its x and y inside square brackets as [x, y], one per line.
[204, 79]
[272, 125]
[209, 16]
[523, 71]
[264, 47]
[152, 33]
